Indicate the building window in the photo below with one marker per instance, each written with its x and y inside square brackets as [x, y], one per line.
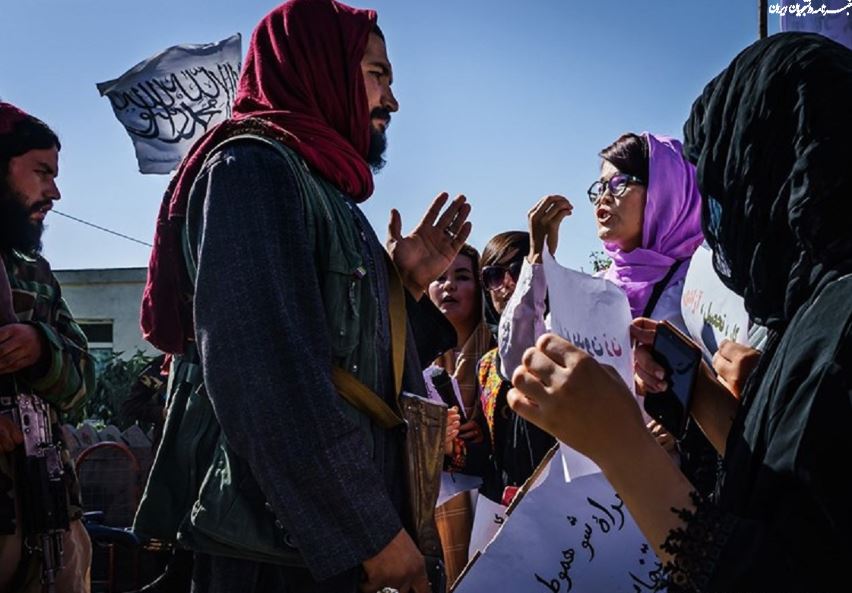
[99, 333]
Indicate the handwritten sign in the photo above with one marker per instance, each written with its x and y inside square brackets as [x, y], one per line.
[171, 99]
[562, 537]
[710, 310]
[592, 313]
[568, 530]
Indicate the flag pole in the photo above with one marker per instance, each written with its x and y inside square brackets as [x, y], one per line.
[763, 13]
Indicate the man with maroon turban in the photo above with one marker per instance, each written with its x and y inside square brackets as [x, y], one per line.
[267, 283]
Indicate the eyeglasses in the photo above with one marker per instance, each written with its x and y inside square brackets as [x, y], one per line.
[617, 186]
[493, 276]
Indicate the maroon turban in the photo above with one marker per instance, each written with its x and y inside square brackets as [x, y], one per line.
[302, 85]
[9, 116]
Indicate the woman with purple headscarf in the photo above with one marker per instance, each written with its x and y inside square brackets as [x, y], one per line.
[648, 214]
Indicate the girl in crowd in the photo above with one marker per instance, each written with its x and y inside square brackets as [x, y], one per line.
[496, 443]
[458, 295]
[517, 447]
[772, 153]
[648, 215]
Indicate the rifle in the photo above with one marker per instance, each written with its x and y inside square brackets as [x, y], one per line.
[39, 475]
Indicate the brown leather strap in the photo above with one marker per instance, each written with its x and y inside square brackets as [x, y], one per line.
[364, 399]
[361, 397]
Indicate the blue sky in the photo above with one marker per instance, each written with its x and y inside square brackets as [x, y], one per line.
[502, 101]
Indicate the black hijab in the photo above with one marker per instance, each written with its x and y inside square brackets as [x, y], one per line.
[770, 137]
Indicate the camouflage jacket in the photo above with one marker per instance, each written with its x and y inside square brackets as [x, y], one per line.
[65, 375]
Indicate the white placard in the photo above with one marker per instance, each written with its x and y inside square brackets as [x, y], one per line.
[488, 518]
[710, 310]
[591, 313]
[171, 99]
[562, 537]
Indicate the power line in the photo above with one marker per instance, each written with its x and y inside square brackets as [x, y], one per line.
[100, 228]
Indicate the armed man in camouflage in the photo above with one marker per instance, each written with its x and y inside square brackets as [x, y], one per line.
[43, 352]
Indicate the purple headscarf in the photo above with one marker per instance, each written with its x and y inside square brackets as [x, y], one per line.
[671, 230]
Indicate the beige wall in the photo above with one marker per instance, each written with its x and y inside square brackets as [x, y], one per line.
[109, 294]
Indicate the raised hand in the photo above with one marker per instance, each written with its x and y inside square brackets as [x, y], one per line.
[432, 246]
[544, 219]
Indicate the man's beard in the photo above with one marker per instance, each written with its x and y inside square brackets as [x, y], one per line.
[17, 230]
[378, 141]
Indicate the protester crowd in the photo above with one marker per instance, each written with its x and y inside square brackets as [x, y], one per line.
[296, 454]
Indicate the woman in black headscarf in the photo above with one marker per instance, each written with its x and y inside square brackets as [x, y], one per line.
[770, 138]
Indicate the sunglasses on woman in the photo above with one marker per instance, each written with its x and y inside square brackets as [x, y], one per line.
[617, 186]
[494, 276]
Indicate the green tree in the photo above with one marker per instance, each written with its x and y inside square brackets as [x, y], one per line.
[599, 261]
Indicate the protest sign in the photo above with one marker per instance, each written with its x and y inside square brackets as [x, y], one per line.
[567, 529]
[710, 310]
[562, 537]
[592, 313]
[171, 99]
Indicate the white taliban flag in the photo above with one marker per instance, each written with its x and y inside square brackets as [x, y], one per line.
[171, 99]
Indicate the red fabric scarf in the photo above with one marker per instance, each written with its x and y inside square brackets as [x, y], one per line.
[9, 116]
[301, 84]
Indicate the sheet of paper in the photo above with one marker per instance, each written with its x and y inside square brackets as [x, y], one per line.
[710, 310]
[594, 315]
[561, 537]
[488, 517]
[455, 483]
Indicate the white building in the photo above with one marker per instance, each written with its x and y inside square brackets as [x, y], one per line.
[106, 305]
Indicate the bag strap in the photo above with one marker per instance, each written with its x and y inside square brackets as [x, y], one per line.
[659, 287]
[358, 395]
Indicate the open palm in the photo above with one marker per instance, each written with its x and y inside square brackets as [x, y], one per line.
[432, 246]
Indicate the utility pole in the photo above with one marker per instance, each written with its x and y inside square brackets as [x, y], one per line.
[763, 14]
